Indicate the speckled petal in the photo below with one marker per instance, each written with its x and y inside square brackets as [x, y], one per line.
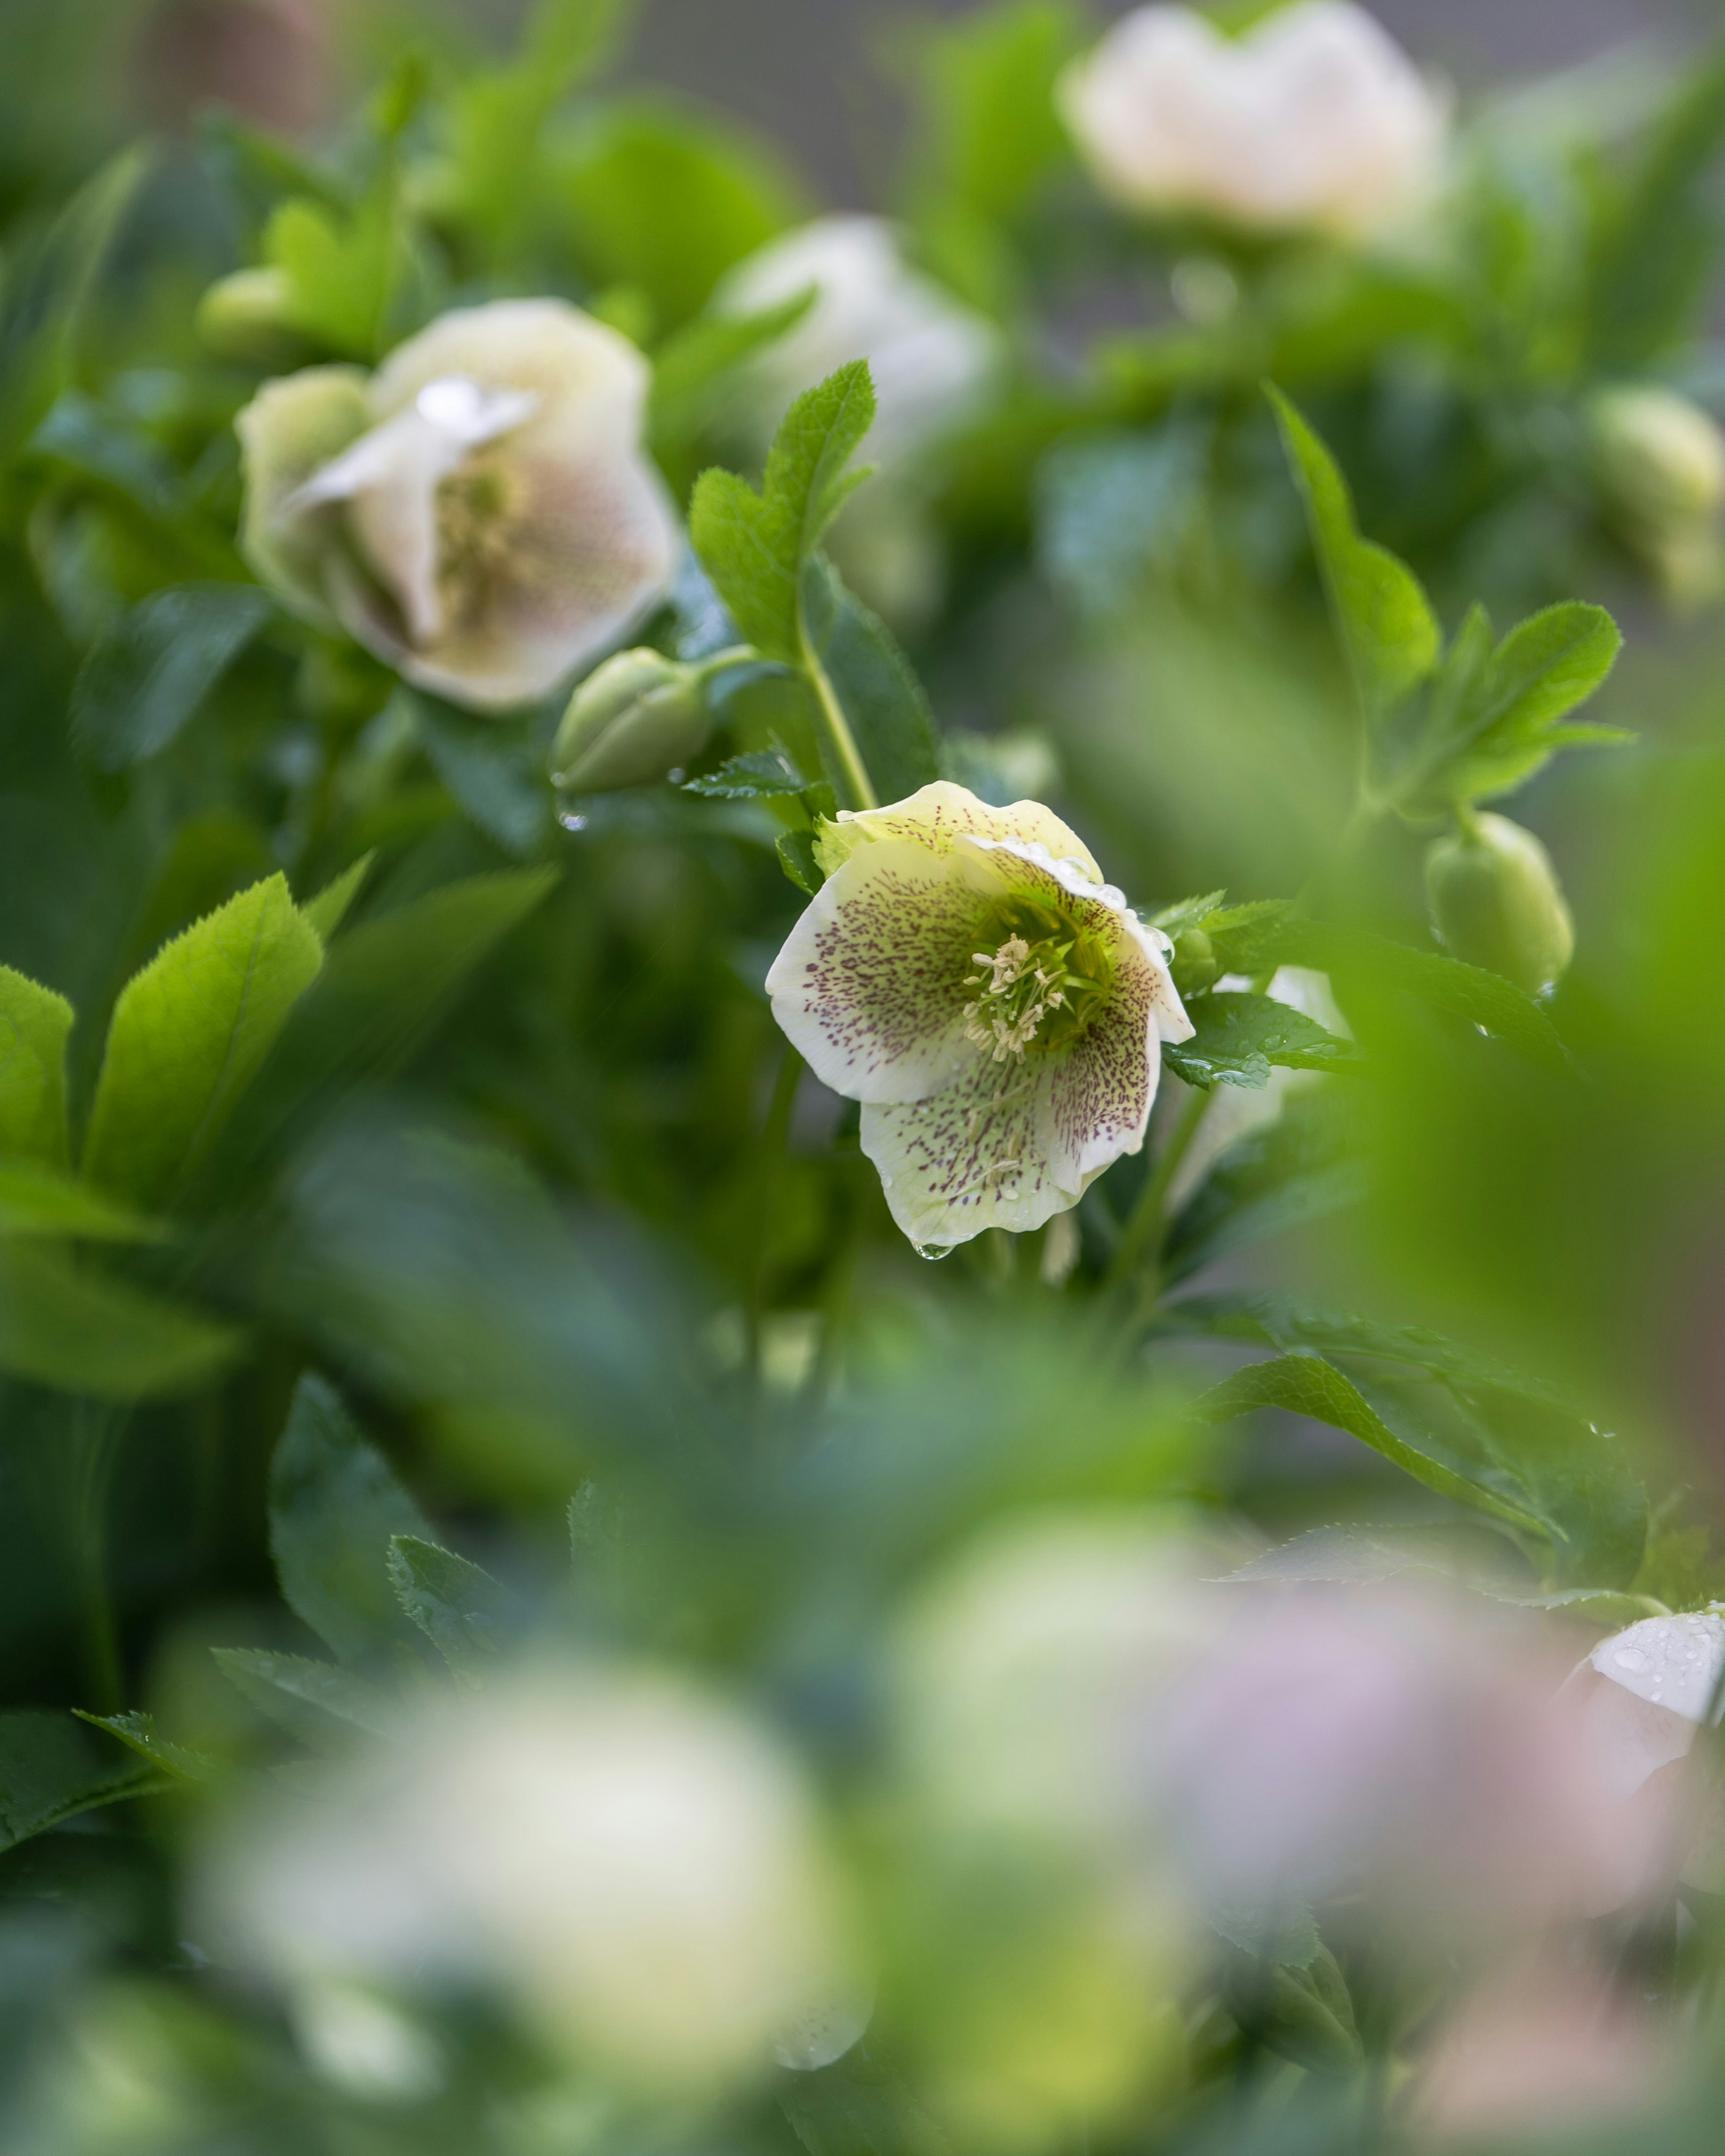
[869, 986]
[971, 1157]
[937, 816]
[1096, 1106]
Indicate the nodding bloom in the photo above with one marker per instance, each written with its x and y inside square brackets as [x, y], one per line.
[1315, 120]
[997, 1007]
[480, 512]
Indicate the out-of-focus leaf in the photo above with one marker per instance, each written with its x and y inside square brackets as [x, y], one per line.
[334, 1505]
[797, 858]
[665, 200]
[692, 368]
[187, 1036]
[1385, 621]
[1112, 507]
[138, 1733]
[344, 268]
[879, 695]
[306, 1697]
[1305, 1384]
[1301, 1168]
[46, 293]
[1299, 2013]
[146, 676]
[858, 2108]
[754, 546]
[1240, 1038]
[51, 1769]
[34, 1022]
[993, 127]
[468, 1616]
[492, 771]
[1484, 1000]
[1358, 1556]
[72, 1328]
[39, 1200]
[330, 907]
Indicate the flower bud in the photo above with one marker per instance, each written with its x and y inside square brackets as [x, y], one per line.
[1659, 458]
[247, 317]
[1496, 902]
[634, 719]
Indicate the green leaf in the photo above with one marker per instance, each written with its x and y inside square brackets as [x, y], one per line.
[1302, 1167]
[34, 1023]
[799, 859]
[754, 546]
[1364, 1557]
[39, 1200]
[137, 1733]
[693, 367]
[51, 1769]
[858, 2108]
[993, 124]
[1241, 1037]
[304, 1697]
[343, 269]
[1305, 1384]
[764, 774]
[334, 1505]
[491, 769]
[1385, 621]
[1241, 935]
[70, 1327]
[1496, 716]
[188, 1035]
[1468, 992]
[1302, 2015]
[330, 907]
[147, 675]
[465, 1614]
[879, 695]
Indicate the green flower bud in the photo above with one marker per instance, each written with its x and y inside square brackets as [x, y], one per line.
[1659, 458]
[247, 317]
[1496, 902]
[632, 720]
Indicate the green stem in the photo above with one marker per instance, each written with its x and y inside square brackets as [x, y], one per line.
[93, 1452]
[775, 1145]
[840, 739]
[1145, 1231]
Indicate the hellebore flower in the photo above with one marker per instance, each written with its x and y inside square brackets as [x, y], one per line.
[1314, 121]
[929, 355]
[479, 512]
[966, 975]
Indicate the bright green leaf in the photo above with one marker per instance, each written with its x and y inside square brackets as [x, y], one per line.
[1385, 621]
[34, 1023]
[70, 1327]
[334, 1504]
[754, 546]
[145, 677]
[188, 1035]
[39, 1200]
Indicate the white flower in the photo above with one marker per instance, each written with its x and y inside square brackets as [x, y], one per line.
[965, 975]
[1314, 121]
[636, 1864]
[480, 512]
[931, 357]
[1646, 1691]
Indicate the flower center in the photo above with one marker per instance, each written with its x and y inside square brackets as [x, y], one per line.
[1040, 987]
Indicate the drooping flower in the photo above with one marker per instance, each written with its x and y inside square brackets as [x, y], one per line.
[480, 512]
[995, 1006]
[1315, 120]
[929, 355]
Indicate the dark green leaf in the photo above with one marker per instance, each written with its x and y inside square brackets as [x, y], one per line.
[693, 369]
[879, 695]
[1294, 2012]
[764, 774]
[329, 908]
[1307, 1385]
[492, 771]
[1240, 1038]
[34, 1022]
[754, 546]
[334, 1505]
[467, 1616]
[51, 1769]
[39, 1200]
[137, 1733]
[146, 676]
[796, 857]
[306, 1697]
[1385, 621]
[187, 1036]
[857, 2107]
[1301, 1168]
[70, 1327]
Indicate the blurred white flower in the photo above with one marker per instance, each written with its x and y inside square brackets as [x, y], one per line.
[931, 356]
[639, 1865]
[1314, 121]
[997, 1009]
[1645, 1692]
[480, 512]
[360, 2042]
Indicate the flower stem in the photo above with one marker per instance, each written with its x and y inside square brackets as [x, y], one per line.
[775, 1145]
[1145, 1231]
[846, 755]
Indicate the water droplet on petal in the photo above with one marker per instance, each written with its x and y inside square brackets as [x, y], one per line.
[1630, 1658]
[570, 822]
[934, 1252]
